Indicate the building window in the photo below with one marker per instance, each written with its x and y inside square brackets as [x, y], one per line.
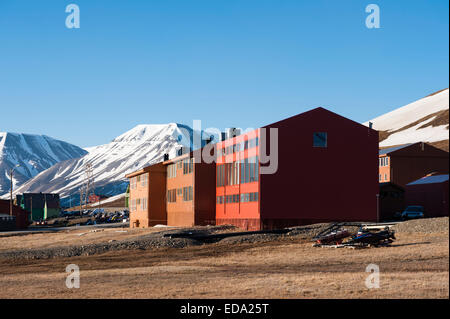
[188, 165]
[187, 193]
[179, 191]
[320, 139]
[172, 196]
[144, 180]
[379, 177]
[144, 204]
[179, 164]
[220, 176]
[133, 184]
[247, 197]
[249, 170]
[384, 161]
[171, 171]
[385, 177]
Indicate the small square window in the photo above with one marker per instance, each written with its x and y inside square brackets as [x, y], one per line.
[320, 139]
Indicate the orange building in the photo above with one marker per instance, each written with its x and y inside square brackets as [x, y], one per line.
[147, 196]
[406, 163]
[190, 190]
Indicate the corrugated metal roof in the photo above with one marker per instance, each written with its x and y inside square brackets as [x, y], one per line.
[430, 180]
[392, 149]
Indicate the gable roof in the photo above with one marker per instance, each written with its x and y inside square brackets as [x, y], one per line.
[434, 179]
[417, 148]
[392, 149]
[319, 110]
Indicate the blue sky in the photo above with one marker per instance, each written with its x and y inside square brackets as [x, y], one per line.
[242, 63]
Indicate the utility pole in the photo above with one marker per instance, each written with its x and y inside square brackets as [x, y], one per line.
[378, 208]
[11, 193]
[81, 198]
[89, 173]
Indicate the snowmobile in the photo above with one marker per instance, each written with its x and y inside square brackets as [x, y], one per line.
[368, 238]
[334, 238]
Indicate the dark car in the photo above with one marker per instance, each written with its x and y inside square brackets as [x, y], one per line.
[412, 212]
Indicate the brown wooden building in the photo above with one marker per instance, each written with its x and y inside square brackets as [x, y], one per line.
[190, 190]
[147, 196]
[406, 163]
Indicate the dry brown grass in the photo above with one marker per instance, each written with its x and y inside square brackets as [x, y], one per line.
[416, 266]
[75, 236]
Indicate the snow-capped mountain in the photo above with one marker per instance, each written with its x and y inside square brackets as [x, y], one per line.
[34, 154]
[425, 120]
[131, 151]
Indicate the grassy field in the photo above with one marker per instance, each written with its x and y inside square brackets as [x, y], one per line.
[416, 266]
[75, 236]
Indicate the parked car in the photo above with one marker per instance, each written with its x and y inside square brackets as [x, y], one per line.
[397, 215]
[413, 212]
[41, 222]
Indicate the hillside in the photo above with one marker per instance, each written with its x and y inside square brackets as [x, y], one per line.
[133, 150]
[34, 154]
[425, 120]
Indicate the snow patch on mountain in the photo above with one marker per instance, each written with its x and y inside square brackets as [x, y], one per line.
[131, 151]
[34, 154]
[412, 123]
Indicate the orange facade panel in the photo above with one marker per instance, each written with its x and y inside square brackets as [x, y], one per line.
[190, 191]
[237, 181]
[147, 197]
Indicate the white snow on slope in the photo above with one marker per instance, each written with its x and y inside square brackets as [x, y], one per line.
[131, 151]
[34, 154]
[409, 114]
[109, 200]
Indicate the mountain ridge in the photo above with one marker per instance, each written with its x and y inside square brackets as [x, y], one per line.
[136, 148]
[34, 153]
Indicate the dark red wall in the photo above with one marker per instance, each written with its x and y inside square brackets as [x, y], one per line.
[21, 215]
[415, 161]
[336, 183]
[205, 193]
[433, 197]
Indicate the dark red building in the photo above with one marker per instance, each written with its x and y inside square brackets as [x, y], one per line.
[93, 198]
[405, 163]
[20, 214]
[325, 169]
[392, 201]
[431, 192]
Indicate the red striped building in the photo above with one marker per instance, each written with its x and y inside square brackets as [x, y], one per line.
[326, 170]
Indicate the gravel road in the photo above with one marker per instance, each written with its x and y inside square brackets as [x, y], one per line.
[427, 225]
[157, 239]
